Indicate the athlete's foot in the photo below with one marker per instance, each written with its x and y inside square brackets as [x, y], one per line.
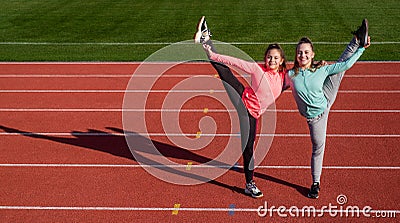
[202, 34]
[362, 33]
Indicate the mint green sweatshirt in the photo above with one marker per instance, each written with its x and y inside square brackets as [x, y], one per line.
[307, 86]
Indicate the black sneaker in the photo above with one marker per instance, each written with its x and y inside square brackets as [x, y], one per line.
[203, 33]
[251, 189]
[362, 33]
[314, 191]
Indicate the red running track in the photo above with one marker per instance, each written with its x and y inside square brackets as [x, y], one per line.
[64, 158]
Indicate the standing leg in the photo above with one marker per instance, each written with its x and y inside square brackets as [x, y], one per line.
[317, 126]
[248, 154]
[248, 131]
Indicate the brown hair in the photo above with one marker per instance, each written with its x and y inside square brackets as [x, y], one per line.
[276, 46]
[314, 66]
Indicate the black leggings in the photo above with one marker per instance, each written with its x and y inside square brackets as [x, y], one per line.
[227, 76]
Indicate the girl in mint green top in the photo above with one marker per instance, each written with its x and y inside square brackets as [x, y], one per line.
[307, 85]
[314, 89]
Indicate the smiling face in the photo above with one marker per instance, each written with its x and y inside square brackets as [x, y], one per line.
[304, 55]
[273, 59]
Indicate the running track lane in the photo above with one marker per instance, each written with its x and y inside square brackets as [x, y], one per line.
[90, 186]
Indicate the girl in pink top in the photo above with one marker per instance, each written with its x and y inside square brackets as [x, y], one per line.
[267, 83]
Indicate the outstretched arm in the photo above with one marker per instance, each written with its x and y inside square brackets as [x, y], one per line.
[246, 66]
[347, 64]
[286, 81]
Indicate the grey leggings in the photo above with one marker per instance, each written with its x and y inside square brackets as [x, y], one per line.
[318, 125]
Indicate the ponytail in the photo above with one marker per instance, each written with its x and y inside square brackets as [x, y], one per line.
[314, 66]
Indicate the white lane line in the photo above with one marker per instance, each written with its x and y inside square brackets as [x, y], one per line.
[124, 208]
[210, 91]
[372, 75]
[194, 209]
[182, 43]
[180, 110]
[370, 91]
[112, 91]
[154, 76]
[191, 134]
[53, 165]
[161, 62]
[79, 75]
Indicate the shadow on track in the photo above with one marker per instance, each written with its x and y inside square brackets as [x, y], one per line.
[116, 145]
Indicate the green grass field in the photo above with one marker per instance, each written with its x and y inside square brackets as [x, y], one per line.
[123, 30]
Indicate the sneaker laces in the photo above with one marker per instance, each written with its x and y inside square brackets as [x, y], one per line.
[206, 33]
[356, 32]
[315, 187]
[252, 187]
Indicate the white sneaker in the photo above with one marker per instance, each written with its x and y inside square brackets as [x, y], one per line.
[202, 34]
[251, 189]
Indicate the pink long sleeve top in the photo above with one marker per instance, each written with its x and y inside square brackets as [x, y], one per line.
[266, 85]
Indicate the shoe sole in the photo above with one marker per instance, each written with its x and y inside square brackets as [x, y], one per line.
[199, 34]
[252, 195]
[366, 32]
[312, 197]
